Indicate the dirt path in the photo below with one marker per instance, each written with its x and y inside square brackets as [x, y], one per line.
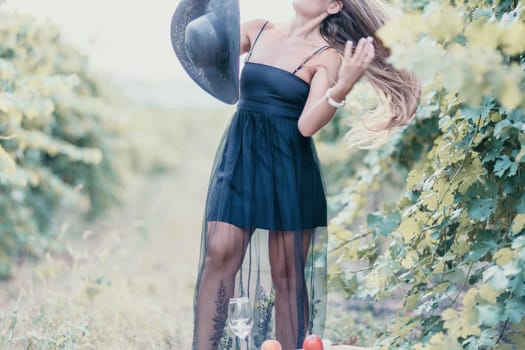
[172, 214]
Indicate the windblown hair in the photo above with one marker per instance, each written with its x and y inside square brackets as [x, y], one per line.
[399, 91]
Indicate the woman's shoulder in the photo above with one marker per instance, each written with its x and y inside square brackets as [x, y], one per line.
[329, 55]
[328, 60]
[249, 30]
[253, 25]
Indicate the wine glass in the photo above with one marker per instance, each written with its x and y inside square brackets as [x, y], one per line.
[240, 318]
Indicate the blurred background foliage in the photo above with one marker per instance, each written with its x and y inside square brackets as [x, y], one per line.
[434, 220]
[67, 140]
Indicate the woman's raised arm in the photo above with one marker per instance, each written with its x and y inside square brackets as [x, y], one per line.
[317, 112]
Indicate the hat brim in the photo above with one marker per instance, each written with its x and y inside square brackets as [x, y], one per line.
[222, 84]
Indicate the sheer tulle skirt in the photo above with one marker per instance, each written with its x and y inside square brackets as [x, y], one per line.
[263, 235]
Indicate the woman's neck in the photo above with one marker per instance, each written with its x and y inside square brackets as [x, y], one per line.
[304, 28]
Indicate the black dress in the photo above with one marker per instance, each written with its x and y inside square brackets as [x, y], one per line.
[266, 182]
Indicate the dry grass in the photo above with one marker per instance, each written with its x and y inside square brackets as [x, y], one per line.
[90, 302]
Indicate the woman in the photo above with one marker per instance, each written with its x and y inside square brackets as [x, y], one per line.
[264, 233]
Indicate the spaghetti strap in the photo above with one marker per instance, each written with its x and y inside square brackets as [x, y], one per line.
[319, 50]
[255, 41]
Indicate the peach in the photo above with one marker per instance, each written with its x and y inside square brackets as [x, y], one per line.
[271, 344]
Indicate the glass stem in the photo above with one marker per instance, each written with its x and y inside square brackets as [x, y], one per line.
[240, 343]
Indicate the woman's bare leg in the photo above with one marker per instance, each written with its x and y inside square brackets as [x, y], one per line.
[225, 250]
[288, 251]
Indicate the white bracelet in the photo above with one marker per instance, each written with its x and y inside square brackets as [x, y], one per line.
[332, 102]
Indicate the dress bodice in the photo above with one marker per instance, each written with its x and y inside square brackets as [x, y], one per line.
[271, 89]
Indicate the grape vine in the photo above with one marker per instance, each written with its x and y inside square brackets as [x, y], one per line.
[439, 212]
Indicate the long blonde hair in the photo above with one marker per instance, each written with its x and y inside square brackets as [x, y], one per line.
[399, 91]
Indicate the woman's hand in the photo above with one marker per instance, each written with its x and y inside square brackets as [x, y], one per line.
[353, 65]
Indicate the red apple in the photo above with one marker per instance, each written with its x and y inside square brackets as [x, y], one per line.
[313, 342]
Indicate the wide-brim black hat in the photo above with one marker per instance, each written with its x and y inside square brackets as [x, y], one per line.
[205, 35]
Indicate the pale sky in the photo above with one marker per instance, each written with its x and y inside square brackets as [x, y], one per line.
[130, 38]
